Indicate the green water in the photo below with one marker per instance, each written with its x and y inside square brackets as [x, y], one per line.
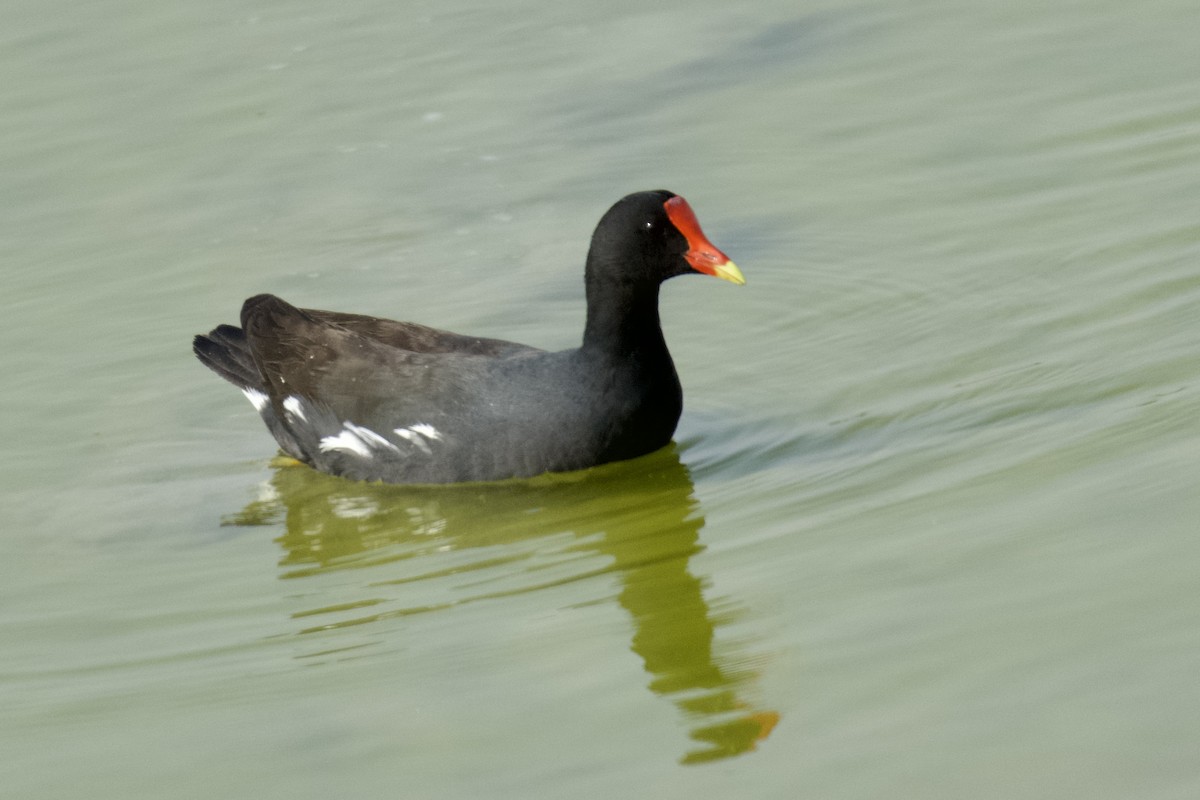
[928, 528]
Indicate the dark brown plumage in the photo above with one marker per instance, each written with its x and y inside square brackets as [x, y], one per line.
[376, 399]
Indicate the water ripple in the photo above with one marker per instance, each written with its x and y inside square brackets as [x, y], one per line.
[370, 555]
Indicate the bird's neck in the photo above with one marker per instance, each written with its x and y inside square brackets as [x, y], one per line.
[622, 318]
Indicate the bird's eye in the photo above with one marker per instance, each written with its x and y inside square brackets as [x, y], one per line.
[649, 224]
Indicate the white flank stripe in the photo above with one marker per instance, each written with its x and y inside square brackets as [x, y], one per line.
[295, 407]
[408, 435]
[369, 436]
[346, 441]
[426, 430]
[256, 398]
[356, 439]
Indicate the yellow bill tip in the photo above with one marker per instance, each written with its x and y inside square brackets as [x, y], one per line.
[729, 271]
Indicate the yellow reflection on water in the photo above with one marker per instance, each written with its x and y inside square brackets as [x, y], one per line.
[641, 516]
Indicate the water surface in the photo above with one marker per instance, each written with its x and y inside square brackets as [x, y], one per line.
[928, 525]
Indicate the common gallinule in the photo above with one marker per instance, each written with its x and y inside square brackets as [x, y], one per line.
[375, 399]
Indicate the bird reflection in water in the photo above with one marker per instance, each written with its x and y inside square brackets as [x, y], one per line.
[642, 516]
